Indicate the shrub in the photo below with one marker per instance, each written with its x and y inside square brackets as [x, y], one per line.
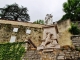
[11, 51]
[74, 29]
[77, 49]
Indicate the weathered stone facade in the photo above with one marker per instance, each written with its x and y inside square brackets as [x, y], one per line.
[64, 34]
[57, 55]
[76, 40]
[6, 31]
[32, 55]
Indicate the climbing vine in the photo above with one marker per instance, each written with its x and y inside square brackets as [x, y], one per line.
[12, 51]
[8, 27]
[22, 29]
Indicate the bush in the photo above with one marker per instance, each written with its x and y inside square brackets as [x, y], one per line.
[11, 51]
[74, 29]
[77, 49]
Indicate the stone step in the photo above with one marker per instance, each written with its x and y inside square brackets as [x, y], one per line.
[48, 50]
[40, 48]
[60, 58]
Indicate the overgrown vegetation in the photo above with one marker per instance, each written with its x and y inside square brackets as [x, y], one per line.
[74, 29]
[8, 27]
[77, 49]
[11, 51]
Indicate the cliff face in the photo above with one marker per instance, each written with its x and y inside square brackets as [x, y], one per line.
[64, 35]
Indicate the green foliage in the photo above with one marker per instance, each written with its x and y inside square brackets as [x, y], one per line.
[8, 27]
[74, 29]
[39, 22]
[22, 29]
[11, 51]
[72, 10]
[14, 12]
[77, 49]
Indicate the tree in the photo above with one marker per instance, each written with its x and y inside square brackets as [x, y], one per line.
[14, 12]
[72, 10]
[39, 22]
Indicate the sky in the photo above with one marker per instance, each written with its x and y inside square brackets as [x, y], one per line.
[37, 9]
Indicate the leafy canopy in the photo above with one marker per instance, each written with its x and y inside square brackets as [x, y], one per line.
[14, 12]
[72, 10]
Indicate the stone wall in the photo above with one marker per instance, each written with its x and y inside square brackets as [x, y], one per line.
[58, 55]
[50, 29]
[36, 55]
[64, 35]
[76, 40]
[32, 55]
[6, 31]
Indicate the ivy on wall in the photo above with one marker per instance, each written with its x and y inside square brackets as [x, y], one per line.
[74, 29]
[22, 29]
[12, 51]
[8, 27]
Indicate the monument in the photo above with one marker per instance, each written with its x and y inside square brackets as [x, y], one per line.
[50, 35]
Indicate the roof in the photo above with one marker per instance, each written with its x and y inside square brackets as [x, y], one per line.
[29, 24]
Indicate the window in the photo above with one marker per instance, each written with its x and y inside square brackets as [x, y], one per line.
[13, 38]
[15, 30]
[28, 31]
